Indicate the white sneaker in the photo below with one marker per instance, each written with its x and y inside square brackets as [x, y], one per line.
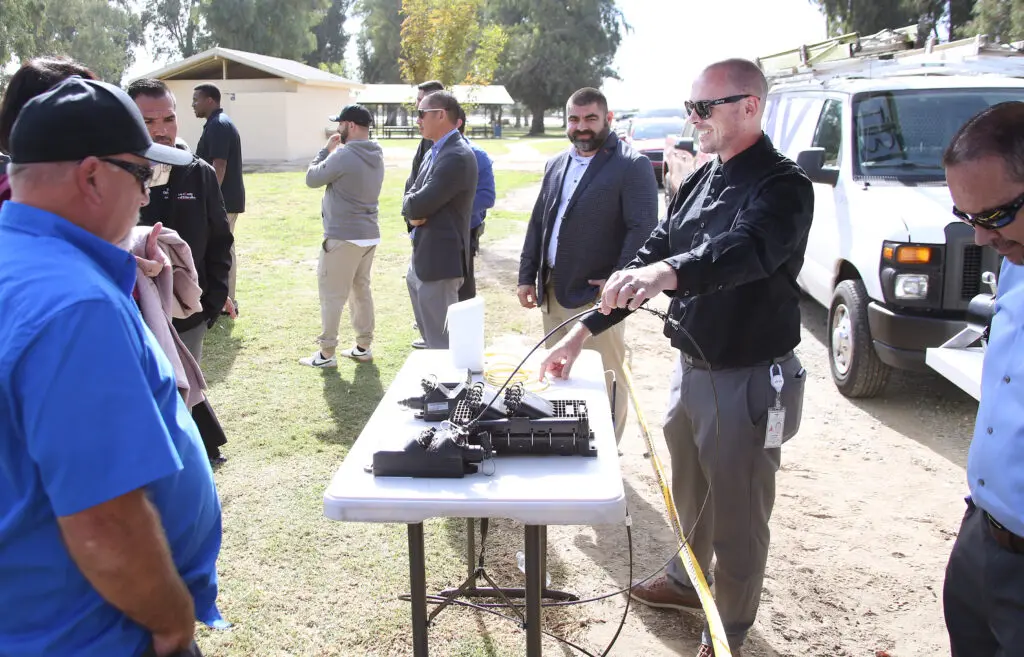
[357, 353]
[318, 360]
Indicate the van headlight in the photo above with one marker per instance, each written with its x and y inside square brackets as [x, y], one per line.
[911, 286]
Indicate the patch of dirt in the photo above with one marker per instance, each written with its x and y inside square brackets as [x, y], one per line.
[869, 499]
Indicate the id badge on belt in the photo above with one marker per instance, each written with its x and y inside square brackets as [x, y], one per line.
[777, 413]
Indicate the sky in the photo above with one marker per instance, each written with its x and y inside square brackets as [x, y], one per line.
[671, 41]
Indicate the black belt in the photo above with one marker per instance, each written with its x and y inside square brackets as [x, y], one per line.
[1003, 536]
[704, 365]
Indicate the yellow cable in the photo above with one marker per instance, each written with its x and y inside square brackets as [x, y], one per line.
[686, 556]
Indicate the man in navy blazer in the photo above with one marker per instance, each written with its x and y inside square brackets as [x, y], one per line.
[437, 209]
[597, 206]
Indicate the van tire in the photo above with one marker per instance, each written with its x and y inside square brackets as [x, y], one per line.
[856, 369]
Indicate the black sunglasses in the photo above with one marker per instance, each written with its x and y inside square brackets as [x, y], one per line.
[142, 172]
[703, 107]
[993, 219]
[423, 113]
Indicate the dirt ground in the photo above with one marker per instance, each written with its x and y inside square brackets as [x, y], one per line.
[869, 498]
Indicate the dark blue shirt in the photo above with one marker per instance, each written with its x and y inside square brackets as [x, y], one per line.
[220, 141]
[89, 411]
[485, 192]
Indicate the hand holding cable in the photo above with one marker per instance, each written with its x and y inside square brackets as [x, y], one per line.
[630, 288]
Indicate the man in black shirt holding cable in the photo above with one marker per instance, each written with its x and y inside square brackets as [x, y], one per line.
[727, 253]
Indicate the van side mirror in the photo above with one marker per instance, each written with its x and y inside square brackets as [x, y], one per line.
[812, 161]
[685, 144]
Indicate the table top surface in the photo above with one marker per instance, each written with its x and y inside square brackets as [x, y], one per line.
[961, 366]
[532, 489]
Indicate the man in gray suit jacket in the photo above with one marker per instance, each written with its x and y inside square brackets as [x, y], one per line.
[597, 206]
[437, 209]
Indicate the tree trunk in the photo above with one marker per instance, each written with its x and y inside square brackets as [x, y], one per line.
[537, 125]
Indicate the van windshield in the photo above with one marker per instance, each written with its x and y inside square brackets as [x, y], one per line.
[902, 134]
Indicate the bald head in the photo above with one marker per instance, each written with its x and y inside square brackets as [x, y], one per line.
[742, 76]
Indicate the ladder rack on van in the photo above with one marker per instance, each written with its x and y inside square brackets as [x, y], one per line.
[891, 53]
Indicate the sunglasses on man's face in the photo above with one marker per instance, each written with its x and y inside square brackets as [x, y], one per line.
[423, 113]
[993, 219]
[703, 107]
[143, 173]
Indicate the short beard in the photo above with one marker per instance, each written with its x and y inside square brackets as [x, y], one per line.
[589, 145]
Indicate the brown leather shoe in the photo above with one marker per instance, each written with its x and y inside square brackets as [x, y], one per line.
[664, 594]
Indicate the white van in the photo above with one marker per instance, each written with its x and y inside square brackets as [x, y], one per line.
[885, 255]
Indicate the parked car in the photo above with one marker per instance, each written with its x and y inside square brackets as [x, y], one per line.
[648, 137]
[680, 156]
[663, 113]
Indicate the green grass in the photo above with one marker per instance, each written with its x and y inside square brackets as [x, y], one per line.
[292, 582]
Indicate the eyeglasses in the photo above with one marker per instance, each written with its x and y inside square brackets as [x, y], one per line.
[703, 107]
[993, 219]
[142, 172]
[423, 113]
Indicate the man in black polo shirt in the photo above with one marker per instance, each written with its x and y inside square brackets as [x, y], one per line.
[187, 199]
[221, 146]
[728, 255]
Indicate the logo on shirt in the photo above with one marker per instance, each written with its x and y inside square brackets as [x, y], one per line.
[186, 196]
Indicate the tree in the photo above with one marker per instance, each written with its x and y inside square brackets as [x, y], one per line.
[97, 33]
[555, 49]
[380, 40]
[174, 27]
[1001, 20]
[959, 16]
[444, 40]
[331, 39]
[279, 28]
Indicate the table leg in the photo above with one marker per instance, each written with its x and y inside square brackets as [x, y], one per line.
[534, 588]
[418, 590]
[470, 546]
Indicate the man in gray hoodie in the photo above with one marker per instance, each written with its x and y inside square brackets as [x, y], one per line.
[352, 168]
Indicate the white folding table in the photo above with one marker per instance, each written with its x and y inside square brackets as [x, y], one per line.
[535, 490]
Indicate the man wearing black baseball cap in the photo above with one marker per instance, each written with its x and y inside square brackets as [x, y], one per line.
[352, 168]
[111, 524]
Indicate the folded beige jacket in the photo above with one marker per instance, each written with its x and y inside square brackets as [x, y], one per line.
[173, 294]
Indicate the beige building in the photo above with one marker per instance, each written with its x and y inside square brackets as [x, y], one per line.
[279, 106]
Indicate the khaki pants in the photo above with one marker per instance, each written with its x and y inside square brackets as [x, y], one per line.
[344, 269]
[611, 344]
[232, 218]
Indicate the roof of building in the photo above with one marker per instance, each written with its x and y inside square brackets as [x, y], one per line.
[212, 64]
[405, 94]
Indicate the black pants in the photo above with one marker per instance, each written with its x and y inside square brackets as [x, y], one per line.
[468, 289]
[983, 596]
[191, 652]
[209, 428]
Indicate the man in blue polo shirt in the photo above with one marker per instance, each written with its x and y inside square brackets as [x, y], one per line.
[110, 523]
[983, 596]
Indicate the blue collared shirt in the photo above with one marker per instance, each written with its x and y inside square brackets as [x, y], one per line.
[483, 200]
[89, 411]
[995, 462]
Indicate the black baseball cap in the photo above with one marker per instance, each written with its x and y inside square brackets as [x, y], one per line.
[355, 113]
[81, 118]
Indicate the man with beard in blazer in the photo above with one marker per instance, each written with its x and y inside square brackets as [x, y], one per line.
[597, 206]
